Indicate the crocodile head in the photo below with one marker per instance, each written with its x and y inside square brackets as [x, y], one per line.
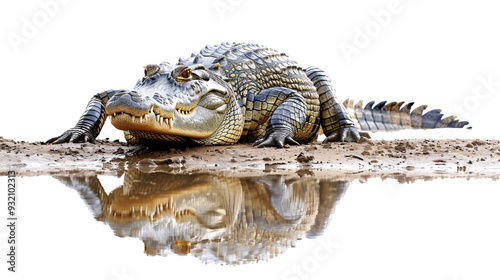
[174, 101]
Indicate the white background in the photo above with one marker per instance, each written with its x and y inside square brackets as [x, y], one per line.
[427, 51]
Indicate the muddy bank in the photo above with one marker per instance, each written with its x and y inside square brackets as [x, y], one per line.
[407, 158]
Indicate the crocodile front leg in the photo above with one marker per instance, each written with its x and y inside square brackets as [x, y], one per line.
[285, 112]
[90, 124]
[335, 120]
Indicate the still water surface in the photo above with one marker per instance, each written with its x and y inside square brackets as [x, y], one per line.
[159, 225]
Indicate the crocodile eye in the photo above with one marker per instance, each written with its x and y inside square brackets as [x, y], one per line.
[182, 74]
[151, 69]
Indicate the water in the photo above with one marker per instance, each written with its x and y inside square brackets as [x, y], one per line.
[269, 227]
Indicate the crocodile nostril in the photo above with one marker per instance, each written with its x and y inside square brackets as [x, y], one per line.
[134, 94]
[121, 93]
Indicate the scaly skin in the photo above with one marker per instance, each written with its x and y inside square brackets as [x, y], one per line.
[234, 92]
[395, 116]
[220, 96]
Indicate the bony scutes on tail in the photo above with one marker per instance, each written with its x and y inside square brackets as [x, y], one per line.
[230, 92]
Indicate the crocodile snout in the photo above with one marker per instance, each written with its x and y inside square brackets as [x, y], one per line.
[129, 110]
[127, 102]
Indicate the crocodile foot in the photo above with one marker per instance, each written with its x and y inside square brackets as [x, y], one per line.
[74, 135]
[344, 134]
[277, 138]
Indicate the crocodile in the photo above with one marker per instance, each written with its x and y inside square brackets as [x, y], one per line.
[224, 220]
[240, 92]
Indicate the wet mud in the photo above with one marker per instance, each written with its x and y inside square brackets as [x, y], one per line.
[367, 158]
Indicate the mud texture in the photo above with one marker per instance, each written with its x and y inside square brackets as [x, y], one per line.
[367, 158]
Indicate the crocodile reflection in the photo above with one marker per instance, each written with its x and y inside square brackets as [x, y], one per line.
[217, 219]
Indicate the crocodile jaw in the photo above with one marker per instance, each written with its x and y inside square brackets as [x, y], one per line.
[199, 122]
[149, 121]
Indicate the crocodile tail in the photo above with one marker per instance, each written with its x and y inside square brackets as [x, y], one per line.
[397, 115]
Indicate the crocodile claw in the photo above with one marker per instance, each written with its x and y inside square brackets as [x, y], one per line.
[73, 135]
[344, 134]
[276, 139]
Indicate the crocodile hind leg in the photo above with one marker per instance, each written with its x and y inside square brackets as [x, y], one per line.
[335, 120]
[90, 124]
[285, 112]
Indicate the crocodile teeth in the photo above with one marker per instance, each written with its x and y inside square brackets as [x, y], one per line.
[161, 119]
[140, 119]
[114, 115]
[133, 118]
[184, 112]
[157, 118]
